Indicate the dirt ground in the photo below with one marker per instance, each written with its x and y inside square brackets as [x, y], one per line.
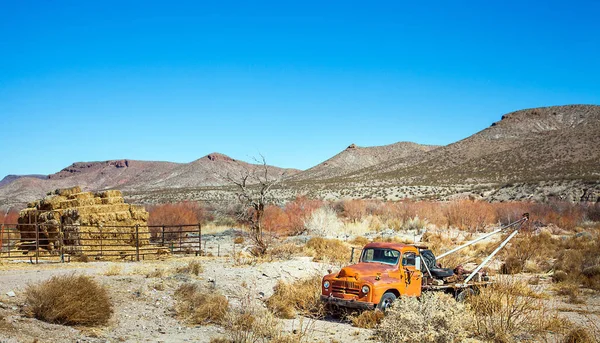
[144, 305]
[142, 293]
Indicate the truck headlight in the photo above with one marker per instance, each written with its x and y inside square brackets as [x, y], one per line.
[326, 284]
[365, 289]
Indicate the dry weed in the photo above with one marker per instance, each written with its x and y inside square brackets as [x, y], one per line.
[367, 319]
[439, 317]
[69, 300]
[359, 241]
[238, 240]
[509, 309]
[284, 251]
[327, 249]
[113, 270]
[299, 297]
[193, 267]
[200, 306]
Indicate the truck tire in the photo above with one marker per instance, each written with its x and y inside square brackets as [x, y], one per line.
[386, 301]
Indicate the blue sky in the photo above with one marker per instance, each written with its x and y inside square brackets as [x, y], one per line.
[297, 82]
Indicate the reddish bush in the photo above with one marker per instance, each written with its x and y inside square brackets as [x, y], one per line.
[355, 209]
[182, 213]
[9, 217]
[275, 220]
[469, 215]
[171, 216]
[298, 212]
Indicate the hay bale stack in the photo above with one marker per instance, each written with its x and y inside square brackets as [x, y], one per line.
[86, 219]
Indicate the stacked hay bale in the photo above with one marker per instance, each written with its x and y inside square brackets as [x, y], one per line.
[85, 220]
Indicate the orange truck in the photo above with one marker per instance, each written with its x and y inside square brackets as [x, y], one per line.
[387, 271]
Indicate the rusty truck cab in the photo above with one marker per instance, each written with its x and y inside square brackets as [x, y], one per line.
[385, 272]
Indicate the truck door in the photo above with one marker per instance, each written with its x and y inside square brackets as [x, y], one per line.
[413, 275]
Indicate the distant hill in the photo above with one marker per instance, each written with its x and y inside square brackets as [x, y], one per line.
[355, 158]
[559, 142]
[539, 153]
[10, 178]
[131, 175]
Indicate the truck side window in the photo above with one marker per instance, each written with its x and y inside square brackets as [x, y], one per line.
[408, 259]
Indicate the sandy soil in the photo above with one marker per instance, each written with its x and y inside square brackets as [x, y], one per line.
[144, 305]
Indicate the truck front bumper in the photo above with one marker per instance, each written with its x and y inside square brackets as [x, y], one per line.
[349, 303]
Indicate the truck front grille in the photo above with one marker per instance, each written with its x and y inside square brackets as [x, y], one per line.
[348, 287]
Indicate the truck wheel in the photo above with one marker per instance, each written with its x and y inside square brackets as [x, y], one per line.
[464, 294]
[386, 301]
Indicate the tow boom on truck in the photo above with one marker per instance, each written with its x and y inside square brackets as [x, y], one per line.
[387, 271]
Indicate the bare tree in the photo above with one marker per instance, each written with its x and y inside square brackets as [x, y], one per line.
[255, 192]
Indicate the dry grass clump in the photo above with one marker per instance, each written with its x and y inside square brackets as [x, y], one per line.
[250, 322]
[284, 251]
[156, 273]
[367, 319]
[327, 249]
[579, 259]
[569, 289]
[580, 335]
[193, 267]
[69, 300]
[113, 270]
[509, 309]
[435, 317]
[519, 255]
[238, 240]
[200, 306]
[299, 297]
[360, 241]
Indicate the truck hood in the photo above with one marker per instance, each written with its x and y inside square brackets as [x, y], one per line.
[366, 269]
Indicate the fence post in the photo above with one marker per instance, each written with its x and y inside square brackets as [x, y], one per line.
[37, 242]
[199, 239]
[1, 239]
[180, 238]
[137, 242]
[352, 255]
[163, 236]
[101, 242]
[61, 241]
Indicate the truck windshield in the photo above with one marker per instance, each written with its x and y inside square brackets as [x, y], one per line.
[387, 256]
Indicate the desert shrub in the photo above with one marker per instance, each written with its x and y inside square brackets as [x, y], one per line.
[359, 241]
[469, 215]
[354, 209]
[299, 211]
[519, 254]
[113, 270]
[323, 221]
[200, 306]
[156, 273]
[508, 309]
[285, 251]
[238, 240]
[579, 258]
[415, 223]
[171, 216]
[299, 297]
[570, 290]
[580, 335]
[69, 300]
[331, 250]
[193, 267]
[275, 220]
[559, 276]
[367, 319]
[435, 317]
